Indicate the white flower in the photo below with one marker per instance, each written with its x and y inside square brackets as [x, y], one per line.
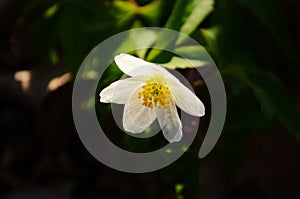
[151, 93]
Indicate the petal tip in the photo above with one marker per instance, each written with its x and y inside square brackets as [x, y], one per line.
[118, 56]
[200, 108]
[201, 112]
[103, 100]
[104, 96]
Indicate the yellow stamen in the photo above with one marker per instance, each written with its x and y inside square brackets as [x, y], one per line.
[155, 93]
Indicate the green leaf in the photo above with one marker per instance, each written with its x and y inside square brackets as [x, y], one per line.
[238, 72]
[143, 37]
[186, 16]
[285, 110]
[191, 57]
[178, 62]
[34, 5]
[72, 37]
[150, 14]
[243, 115]
[179, 188]
[52, 10]
[193, 52]
[271, 94]
[265, 100]
[124, 12]
[210, 36]
[164, 40]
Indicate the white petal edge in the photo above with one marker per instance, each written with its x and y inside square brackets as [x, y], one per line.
[136, 117]
[172, 127]
[185, 99]
[134, 66]
[119, 92]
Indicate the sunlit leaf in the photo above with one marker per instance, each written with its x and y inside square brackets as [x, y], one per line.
[124, 12]
[210, 35]
[52, 10]
[179, 188]
[178, 62]
[193, 52]
[186, 16]
[150, 14]
[143, 37]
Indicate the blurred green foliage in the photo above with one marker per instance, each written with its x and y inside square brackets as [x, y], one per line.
[241, 36]
[245, 38]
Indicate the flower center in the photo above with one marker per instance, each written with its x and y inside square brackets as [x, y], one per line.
[155, 93]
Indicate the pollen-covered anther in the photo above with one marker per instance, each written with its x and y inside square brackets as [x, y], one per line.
[155, 93]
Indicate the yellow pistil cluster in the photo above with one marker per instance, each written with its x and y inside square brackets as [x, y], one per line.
[155, 93]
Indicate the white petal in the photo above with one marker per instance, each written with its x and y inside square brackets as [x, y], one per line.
[161, 116]
[119, 91]
[136, 117]
[185, 99]
[134, 66]
[172, 127]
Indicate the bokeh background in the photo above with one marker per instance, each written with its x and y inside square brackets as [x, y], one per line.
[256, 46]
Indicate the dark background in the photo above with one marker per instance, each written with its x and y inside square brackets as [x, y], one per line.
[256, 46]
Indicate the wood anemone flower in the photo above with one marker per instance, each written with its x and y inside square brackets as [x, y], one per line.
[151, 93]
